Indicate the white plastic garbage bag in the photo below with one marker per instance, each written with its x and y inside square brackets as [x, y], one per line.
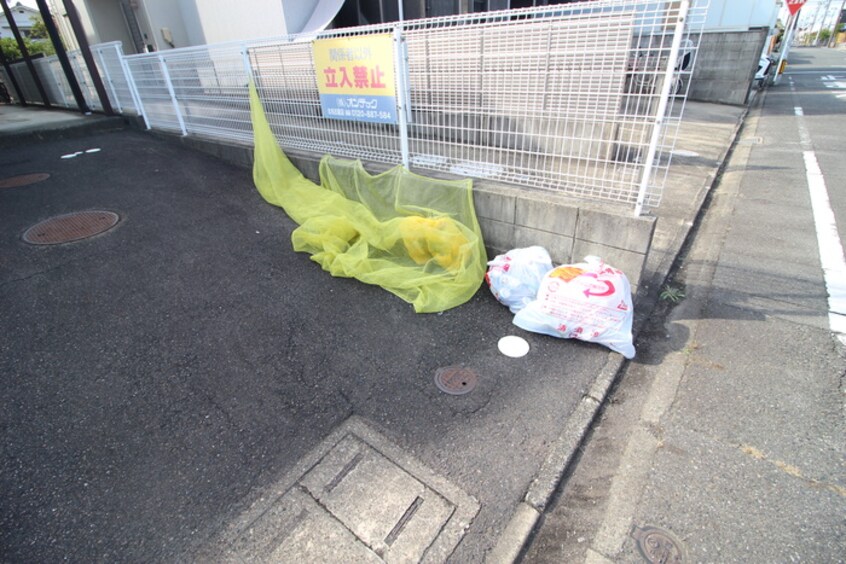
[590, 301]
[515, 277]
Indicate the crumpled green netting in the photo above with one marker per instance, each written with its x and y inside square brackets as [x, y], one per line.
[414, 236]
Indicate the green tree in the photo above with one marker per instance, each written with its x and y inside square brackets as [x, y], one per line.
[36, 41]
[10, 48]
[825, 35]
[39, 29]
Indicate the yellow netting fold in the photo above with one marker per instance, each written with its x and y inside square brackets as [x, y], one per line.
[414, 236]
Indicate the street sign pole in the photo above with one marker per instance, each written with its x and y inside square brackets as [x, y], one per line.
[794, 6]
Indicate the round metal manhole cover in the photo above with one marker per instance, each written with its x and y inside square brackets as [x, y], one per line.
[658, 545]
[70, 227]
[456, 380]
[23, 180]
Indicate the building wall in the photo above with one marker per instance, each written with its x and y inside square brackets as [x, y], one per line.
[24, 17]
[63, 25]
[156, 15]
[741, 15]
[726, 65]
[108, 23]
[298, 13]
[216, 21]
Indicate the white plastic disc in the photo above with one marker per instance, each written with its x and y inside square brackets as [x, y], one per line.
[513, 346]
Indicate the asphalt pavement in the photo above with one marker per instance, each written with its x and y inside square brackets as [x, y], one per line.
[725, 440]
[168, 377]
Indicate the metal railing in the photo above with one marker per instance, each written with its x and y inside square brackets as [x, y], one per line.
[582, 99]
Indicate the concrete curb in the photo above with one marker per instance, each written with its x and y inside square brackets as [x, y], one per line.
[529, 512]
[698, 201]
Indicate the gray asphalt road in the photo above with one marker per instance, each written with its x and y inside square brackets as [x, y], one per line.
[728, 431]
[157, 376]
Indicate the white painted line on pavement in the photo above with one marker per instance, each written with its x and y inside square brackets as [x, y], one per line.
[804, 136]
[831, 250]
[794, 71]
[828, 239]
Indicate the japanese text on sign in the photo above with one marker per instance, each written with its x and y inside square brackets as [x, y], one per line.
[355, 78]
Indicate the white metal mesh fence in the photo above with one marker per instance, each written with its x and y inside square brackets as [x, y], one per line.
[55, 83]
[149, 74]
[533, 101]
[583, 99]
[566, 99]
[86, 85]
[62, 95]
[110, 62]
[26, 82]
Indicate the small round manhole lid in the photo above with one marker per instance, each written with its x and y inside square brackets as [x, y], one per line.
[659, 545]
[23, 180]
[70, 227]
[456, 380]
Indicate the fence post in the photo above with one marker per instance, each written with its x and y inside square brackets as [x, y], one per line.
[42, 74]
[172, 95]
[248, 68]
[81, 78]
[649, 162]
[133, 89]
[109, 81]
[60, 87]
[403, 102]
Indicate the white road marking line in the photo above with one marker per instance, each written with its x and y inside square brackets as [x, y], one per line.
[828, 239]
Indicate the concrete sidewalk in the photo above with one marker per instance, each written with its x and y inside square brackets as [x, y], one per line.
[725, 439]
[185, 375]
[32, 124]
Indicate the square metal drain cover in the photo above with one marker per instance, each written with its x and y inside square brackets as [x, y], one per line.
[355, 498]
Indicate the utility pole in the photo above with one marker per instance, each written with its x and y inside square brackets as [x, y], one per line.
[785, 45]
[822, 21]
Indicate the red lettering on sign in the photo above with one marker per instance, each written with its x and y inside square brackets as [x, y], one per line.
[360, 77]
[376, 78]
[345, 80]
[331, 82]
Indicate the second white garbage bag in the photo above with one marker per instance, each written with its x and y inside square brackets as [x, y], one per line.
[515, 277]
[590, 301]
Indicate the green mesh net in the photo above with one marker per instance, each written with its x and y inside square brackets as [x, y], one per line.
[416, 237]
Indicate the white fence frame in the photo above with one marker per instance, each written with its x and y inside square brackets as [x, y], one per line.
[583, 99]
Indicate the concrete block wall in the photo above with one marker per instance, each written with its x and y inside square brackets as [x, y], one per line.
[511, 218]
[567, 228]
[725, 66]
